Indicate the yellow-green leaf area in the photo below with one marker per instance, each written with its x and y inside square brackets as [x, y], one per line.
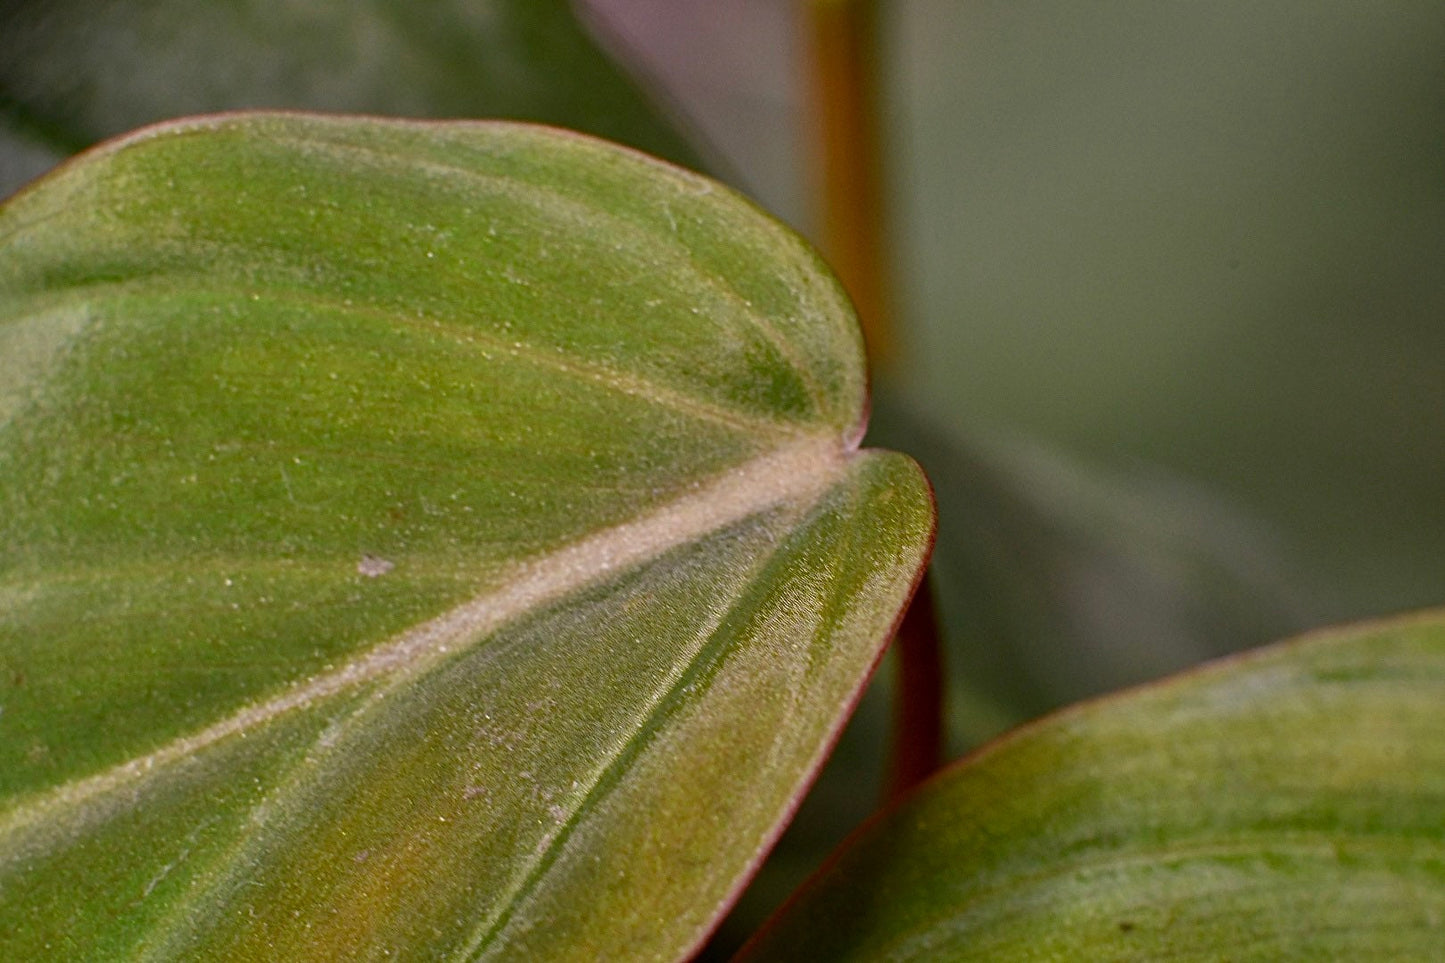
[384, 503]
[1289, 805]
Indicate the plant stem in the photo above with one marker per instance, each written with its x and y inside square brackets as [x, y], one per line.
[844, 100]
[917, 696]
[845, 128]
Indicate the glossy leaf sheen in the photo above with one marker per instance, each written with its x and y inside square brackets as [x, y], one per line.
[1286, 805]
[432, 539]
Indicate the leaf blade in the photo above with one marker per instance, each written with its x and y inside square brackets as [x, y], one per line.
[292, 479]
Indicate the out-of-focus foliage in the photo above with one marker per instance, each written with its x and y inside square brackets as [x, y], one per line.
[1059, 581]
[73, 72]
[1210, 236]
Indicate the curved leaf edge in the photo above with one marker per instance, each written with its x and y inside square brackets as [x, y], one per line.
[825, 751]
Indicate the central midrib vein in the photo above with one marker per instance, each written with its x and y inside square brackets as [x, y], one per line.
[800, 471]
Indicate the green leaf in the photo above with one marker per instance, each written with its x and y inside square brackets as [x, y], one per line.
[78, 72]
[1289, 804]
[445, 540]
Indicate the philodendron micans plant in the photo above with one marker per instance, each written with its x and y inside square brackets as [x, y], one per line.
[453, 540]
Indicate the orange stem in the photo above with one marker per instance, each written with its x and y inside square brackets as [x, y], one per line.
[843, 93]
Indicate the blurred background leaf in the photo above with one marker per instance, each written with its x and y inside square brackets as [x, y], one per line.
[23, 155]
[73, 73]
[1063, 580]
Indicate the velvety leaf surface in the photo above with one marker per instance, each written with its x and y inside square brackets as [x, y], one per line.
[444, 540]
[1289, 804]
[76, 72]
